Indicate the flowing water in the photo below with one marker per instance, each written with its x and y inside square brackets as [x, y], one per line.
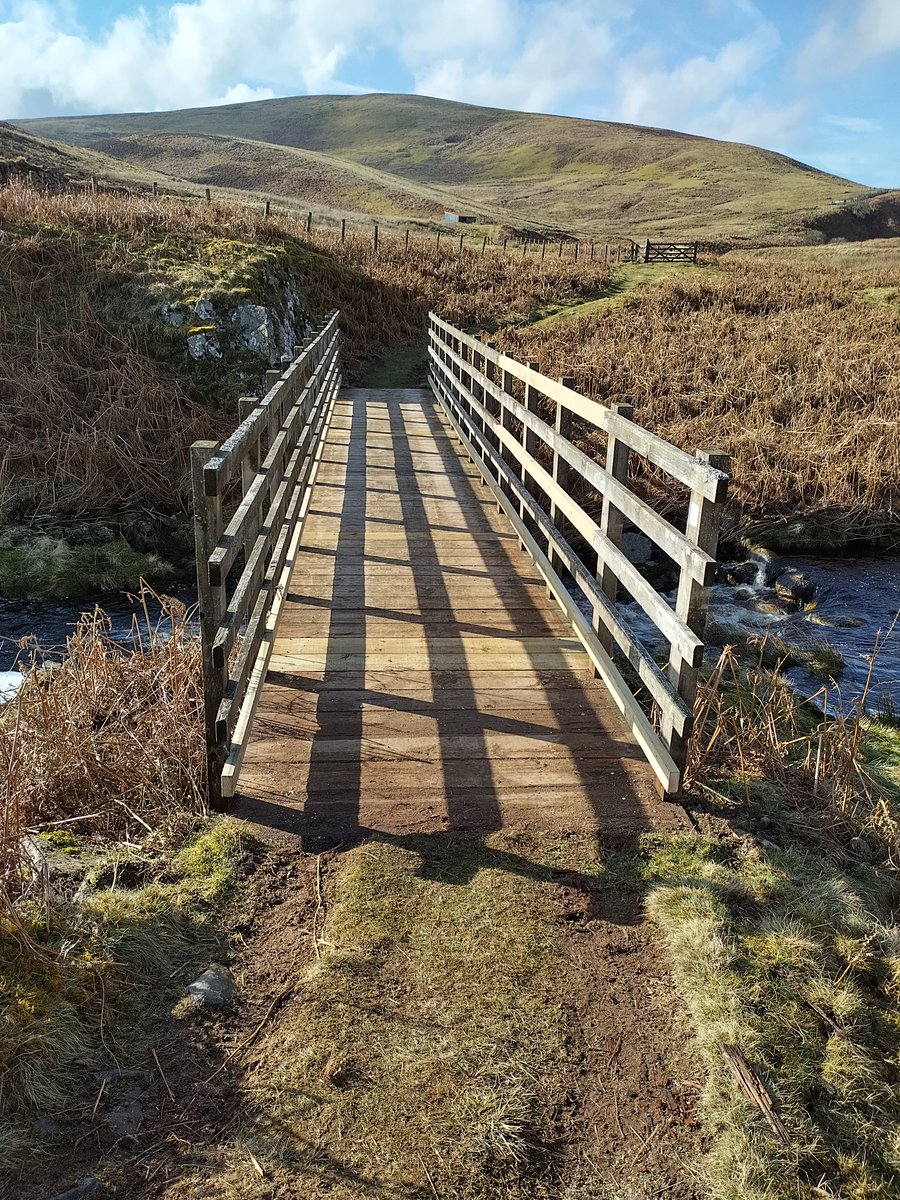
[51, 622]
[856, 603]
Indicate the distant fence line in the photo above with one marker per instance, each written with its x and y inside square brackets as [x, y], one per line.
[544, 246]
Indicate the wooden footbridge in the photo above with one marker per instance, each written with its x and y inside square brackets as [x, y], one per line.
[417, 613]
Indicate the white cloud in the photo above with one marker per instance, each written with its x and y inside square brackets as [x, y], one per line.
[854, 124]
[204, 52]
[839, 47]
[531, 59]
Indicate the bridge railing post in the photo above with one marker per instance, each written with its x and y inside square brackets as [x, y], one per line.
[208, 525]
[692, 600]
[561, 470]
[612, 521]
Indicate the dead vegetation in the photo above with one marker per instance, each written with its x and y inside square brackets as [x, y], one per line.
[100, 400]
[111, 737]
[776, 359]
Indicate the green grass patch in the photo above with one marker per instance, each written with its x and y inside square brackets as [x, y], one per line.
[426, 1052]
[626, 279]
[52, 566]
[67, 991]
[798, 964]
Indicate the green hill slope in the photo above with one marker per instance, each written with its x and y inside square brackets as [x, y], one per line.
[591, 177]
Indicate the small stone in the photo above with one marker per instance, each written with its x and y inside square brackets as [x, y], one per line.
[214, 987]
[205, 310]
[793, 587]
[745, 572]
[171, 317]
[769, 847]
[82, 1190]
[860, 849]
[44, 1126]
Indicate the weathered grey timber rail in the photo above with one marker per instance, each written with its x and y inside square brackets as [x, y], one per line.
[494, 404]
[244, 560]
[670, 252]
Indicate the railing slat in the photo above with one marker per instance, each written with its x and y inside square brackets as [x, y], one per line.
[539, 501]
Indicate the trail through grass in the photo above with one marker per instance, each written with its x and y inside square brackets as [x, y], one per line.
[626, 279]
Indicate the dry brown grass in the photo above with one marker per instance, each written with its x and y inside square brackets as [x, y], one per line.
[776, 359]
[94, 421]
[113, 736]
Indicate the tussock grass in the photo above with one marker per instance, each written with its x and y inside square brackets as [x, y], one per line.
[102, 399]
[112, 736]
[790, 959]
[425, 1052]
[67, 989]
[752, 728]
[771, 358]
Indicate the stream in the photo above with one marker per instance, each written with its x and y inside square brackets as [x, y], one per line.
[856, 598]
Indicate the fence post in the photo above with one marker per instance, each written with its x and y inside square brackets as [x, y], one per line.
[438, 243]
[560, 248]
[406, 239]
[208, 526]
[504, 244]
[647, 251]
[268, 209]
[343, 228]
[483, 245]
[611, 520]
[309, 222]
[692, 601]
[543, 249]
[561, 470]
[155, 189]
[576, 251]
[460, 243]
[93, 185]
[375, 238]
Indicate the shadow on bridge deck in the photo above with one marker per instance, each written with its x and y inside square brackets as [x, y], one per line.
[421, 679]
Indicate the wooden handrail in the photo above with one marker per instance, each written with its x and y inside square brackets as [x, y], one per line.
[507, 440]
[243, 563]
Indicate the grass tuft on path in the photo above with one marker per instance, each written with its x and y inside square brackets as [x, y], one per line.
[426, 1051]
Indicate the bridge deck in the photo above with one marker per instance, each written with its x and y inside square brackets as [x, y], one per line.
[421, 678]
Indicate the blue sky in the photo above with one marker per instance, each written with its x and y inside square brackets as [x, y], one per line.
[815, 79]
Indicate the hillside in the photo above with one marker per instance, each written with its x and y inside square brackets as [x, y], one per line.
[590, 177]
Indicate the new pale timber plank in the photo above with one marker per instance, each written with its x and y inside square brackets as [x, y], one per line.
[421, 678]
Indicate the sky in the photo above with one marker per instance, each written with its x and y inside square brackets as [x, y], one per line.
[818, 80]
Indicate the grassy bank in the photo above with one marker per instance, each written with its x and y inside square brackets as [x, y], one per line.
[781, 358]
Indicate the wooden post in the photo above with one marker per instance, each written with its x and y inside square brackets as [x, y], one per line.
[438, 244]
[561, 469]
[543, 249]
[155, 189]
[647, 251]
[576, 252]
[560, 248]
[483, 245]
[460, 243]
[524, 247]
[343, 228]
[611, 520]
[504, 244]
[208, 196]
[406, 239]
[530, 440]
[692, 601]
[606, 253]
[93, 185]
[250, 464]
[375, 238]
[309, 222]
[268, 209]
[208, 526]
